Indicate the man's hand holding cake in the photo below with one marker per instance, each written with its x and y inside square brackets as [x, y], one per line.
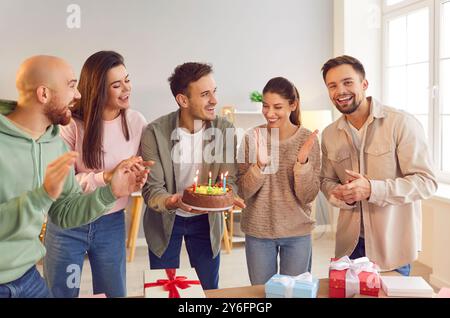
[206, 198]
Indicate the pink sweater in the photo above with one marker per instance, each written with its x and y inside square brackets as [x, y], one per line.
[114, 144]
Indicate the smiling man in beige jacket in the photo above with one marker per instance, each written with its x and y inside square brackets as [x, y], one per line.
[376, 168]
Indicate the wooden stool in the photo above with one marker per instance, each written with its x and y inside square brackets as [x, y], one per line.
[135, 220]
[228, 230]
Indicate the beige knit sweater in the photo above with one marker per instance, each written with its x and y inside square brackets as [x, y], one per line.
[279, 204]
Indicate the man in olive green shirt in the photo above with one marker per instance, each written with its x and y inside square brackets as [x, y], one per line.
[175, 143]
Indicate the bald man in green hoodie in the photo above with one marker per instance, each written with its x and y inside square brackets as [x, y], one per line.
[37, 178]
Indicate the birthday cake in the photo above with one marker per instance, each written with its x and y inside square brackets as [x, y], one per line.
[208, 198]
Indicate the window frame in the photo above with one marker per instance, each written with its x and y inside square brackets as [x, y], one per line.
[394, 7]
[435, 103]
[443, 176]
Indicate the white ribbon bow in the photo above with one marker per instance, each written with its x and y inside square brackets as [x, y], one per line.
[354, 267]
[289, 282]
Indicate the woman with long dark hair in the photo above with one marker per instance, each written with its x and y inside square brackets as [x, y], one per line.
[105, 132]
[279, 189]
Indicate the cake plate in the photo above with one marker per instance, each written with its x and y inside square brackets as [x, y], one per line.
[209, 209]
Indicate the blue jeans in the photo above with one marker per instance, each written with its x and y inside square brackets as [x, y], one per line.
[360, 251]
[195, 231]
[30, 285]
[103, 240]
[262, 254]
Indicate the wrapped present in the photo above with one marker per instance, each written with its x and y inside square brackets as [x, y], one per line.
[444, 293]
[406, 286]
[283, 286]
[172, 283]
[350, 277]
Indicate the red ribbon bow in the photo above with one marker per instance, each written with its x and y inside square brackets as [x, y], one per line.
[173, 283]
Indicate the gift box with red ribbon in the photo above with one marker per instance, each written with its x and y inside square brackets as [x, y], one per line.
[350, 277]
[172, 283]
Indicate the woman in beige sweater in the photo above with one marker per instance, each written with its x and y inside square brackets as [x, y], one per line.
[278, 189]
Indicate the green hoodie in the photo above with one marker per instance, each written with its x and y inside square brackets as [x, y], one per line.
[24, 201]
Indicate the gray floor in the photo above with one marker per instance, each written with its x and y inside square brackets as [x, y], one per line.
[233, 269]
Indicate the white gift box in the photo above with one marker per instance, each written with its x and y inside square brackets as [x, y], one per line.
[404, 286]
[158, 283]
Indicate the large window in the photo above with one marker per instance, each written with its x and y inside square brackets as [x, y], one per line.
[417, 69]
[444, 68]
[392, 2]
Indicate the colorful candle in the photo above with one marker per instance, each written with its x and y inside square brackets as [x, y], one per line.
[195, 183]
[209, 181]
[225, 182]
[221, 180]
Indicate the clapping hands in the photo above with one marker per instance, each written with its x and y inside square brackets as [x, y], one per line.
[129, 176]
[305, 149]
[262, 157]
[357, 188]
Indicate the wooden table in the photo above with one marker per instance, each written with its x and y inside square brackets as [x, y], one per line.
[257, 291]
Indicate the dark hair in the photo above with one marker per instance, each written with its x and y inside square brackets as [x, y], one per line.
[94, 94]
[342, 60]
[287, 90]
[185, 74]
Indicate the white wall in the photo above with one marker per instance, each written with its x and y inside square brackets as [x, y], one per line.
[436, 237]
[248, 42]
[357, 32]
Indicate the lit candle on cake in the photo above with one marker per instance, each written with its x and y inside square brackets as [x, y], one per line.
[195, 183]
[225, 182]
[209, 181]
[221, 180]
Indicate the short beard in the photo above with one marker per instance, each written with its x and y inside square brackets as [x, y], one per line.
[55, 114]
[350, 110]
